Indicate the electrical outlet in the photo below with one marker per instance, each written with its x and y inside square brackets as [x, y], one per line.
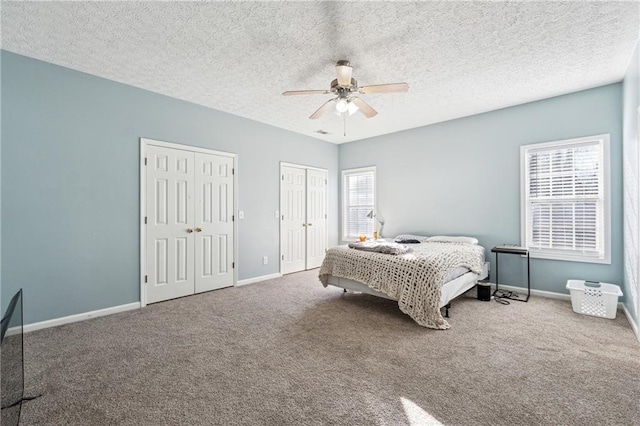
[265, 260]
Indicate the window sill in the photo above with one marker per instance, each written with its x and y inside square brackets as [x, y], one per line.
[349, 240]
[567, 258]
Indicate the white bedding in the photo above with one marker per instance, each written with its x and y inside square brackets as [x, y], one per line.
[460, 270]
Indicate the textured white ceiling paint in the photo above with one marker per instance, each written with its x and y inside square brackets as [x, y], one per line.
[459, 58]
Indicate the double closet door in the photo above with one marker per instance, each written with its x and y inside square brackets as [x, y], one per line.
[189, 222]
[303, 207]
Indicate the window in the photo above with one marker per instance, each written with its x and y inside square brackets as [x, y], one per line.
[565, 199]
[358, 200]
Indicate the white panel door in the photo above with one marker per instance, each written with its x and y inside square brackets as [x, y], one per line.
[316, 217]
[292, 209]
[170, 219]
[214, 222]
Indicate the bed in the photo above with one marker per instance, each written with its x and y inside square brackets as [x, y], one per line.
[436, 271]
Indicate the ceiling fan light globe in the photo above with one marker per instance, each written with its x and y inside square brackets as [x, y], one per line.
[341, 105]
[352, 108]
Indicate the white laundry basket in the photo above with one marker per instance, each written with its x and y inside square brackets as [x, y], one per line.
[594, 298]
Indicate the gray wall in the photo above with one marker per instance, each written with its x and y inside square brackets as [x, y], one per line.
[70, 183]
[631, 163]
[462, 177]
[70, 190]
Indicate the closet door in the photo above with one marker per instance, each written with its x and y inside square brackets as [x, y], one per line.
[316, 217]
[303, 204]
[214, 244]
[293, 224]
[170, 219]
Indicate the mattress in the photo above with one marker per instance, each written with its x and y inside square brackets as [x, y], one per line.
[460, 280]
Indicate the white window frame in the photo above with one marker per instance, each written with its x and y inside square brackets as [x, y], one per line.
[344, 196]
[606, 199]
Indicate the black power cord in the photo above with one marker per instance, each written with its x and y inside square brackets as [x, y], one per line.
[26, 398]
[501, 296]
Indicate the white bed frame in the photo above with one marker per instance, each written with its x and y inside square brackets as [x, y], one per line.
[450, 289]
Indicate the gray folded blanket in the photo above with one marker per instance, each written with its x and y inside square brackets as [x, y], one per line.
[381, 247]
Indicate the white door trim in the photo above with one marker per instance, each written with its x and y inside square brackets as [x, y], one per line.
[298, 166]
[144, 142]
[301, 166]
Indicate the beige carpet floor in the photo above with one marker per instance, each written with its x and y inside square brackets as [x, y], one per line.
[290, 352]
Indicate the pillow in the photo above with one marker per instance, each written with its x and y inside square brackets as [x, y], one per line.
[447, 239]
[402, 241]
[405, 237]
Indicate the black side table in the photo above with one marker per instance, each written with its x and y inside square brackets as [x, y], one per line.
[509, 294]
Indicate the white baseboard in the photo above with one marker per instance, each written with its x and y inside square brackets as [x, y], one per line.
[634, 326]
[136, 305]
[541, 293]
[567, 297]
[75, 318]
[112, 310]
[258, 279]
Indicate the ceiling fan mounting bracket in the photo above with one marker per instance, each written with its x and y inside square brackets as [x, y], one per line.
[337, 87]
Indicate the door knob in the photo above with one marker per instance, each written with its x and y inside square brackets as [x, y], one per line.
[309, 224]
[304, 224]
[198, 229]
[189, 230]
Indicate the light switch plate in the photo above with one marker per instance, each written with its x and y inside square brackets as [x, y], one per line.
[241, 214]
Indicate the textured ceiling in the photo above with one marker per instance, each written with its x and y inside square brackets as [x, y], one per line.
[459, 58]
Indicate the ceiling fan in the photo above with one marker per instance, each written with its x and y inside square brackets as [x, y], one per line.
[345, 87]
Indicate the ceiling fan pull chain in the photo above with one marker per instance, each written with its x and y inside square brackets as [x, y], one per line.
[344, 120]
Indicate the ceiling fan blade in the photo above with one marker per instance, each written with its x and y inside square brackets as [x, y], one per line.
[364, 107]
[344, 71]
[385, 88]
[306, 92]
[324, 108]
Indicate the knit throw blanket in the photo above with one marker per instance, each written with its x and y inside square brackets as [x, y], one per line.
[414, 279]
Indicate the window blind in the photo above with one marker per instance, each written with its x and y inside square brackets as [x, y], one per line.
[359, 200]
[564, 199]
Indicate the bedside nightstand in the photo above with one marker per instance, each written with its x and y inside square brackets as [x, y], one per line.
[512, 250]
